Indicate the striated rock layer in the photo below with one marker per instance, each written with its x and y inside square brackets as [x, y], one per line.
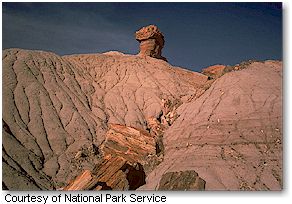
[151, 42]
[232, 135]
[66, 119]
[127, 153]
[56, 110]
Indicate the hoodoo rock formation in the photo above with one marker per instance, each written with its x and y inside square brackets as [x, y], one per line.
[151, 42]
[126, 122]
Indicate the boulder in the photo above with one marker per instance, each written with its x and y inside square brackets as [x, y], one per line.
[214, 71]
[151, 41]
[181, 181]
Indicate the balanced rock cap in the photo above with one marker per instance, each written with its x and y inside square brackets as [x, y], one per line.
[151, 41]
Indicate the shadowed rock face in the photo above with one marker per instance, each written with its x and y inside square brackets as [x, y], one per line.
[57, 113]
[126, 151]
[151, 42]
[114, 173]
[181, 181]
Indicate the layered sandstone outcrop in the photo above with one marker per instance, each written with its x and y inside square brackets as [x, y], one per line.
[151, 42]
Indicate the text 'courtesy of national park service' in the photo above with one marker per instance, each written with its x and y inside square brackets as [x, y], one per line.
[80, 198]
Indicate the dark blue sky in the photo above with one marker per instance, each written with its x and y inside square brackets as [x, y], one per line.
[196, 34]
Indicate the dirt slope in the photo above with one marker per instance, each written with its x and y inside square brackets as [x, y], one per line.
[232, 135]
[54, 106]
[58, 110]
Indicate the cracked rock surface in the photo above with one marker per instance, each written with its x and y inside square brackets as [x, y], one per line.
[55, 107]
[57, 112]
[232, 135]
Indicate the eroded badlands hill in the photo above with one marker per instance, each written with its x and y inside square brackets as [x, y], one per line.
[232, 135]
[54, 107]
[124, 122]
